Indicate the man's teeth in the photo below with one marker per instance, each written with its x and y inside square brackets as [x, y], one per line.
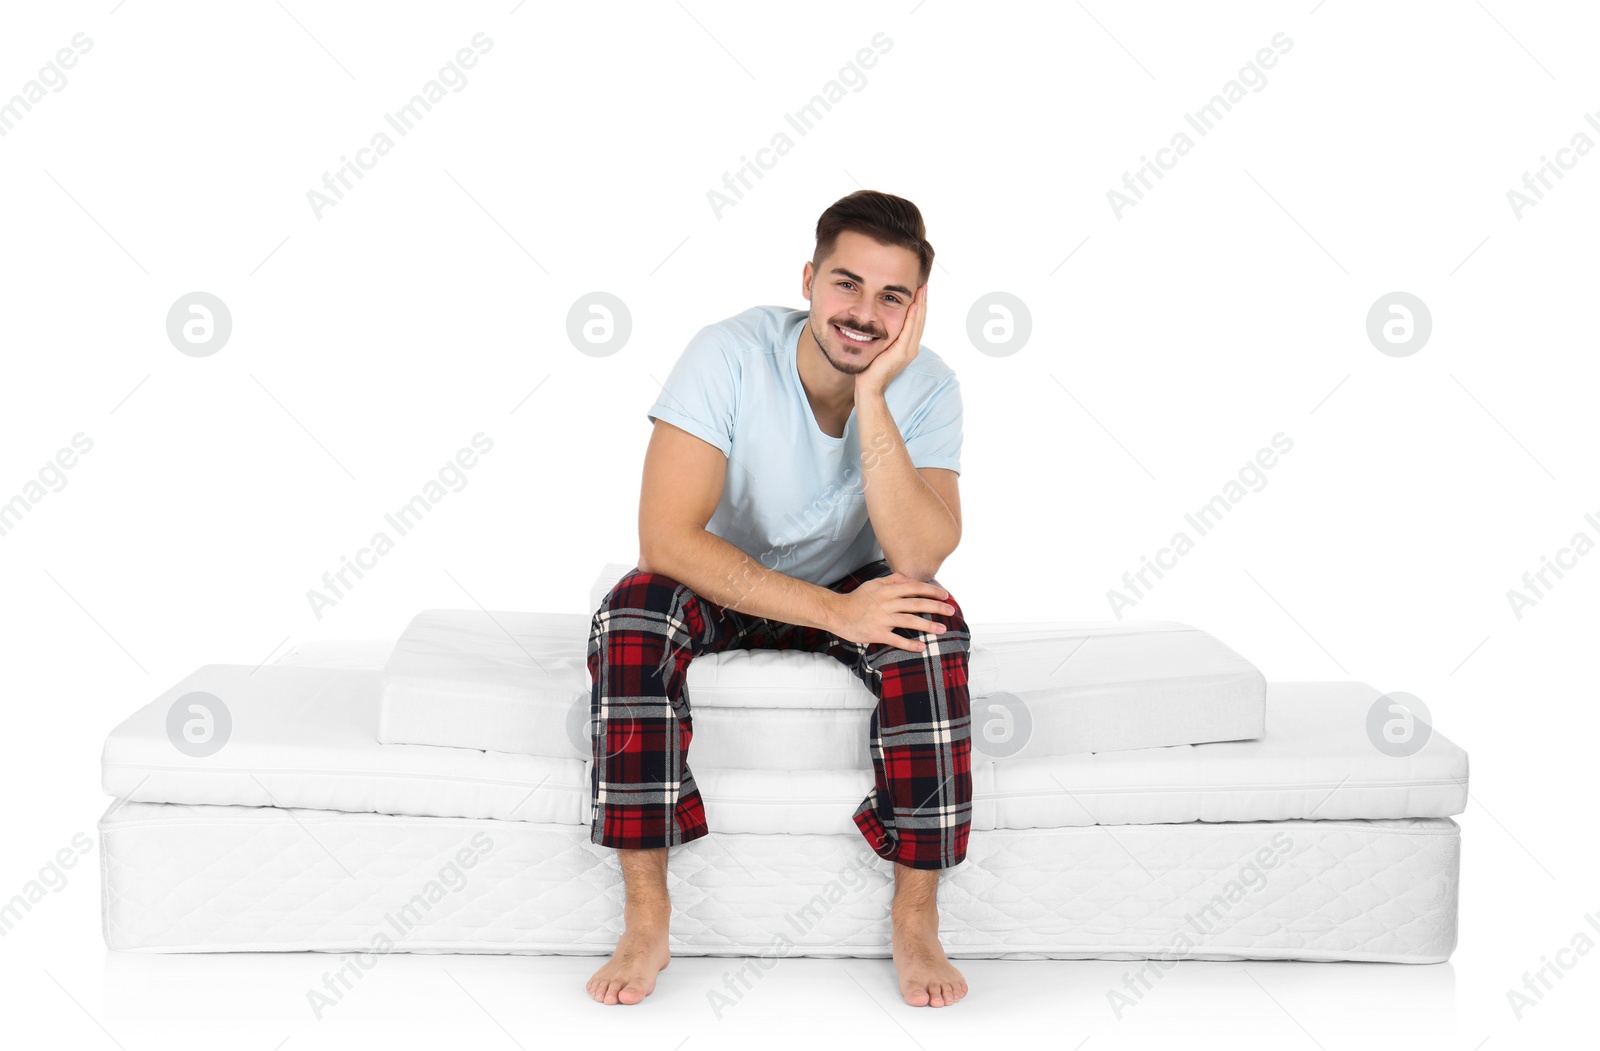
[854, 335]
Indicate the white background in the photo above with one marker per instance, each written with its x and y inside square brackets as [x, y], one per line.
[1167, 346]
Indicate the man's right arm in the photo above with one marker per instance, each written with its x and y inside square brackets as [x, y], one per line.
[683, 479]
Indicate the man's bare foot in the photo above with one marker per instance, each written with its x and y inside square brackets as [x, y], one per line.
[630, 975]
[927, 977]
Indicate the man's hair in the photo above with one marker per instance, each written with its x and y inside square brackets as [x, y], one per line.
[885, 218]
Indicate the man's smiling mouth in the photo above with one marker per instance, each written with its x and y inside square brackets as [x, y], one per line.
[853, 337]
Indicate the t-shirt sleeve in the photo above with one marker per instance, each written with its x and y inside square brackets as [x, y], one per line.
[934, 437]
[701, 392]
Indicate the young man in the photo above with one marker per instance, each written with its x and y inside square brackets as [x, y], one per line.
[799, 492]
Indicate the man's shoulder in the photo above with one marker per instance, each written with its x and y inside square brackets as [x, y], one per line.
[757, 329]
[927, 379]
[929, 367]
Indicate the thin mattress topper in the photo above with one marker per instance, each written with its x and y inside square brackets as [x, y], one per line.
[521, 650]
[480, 679]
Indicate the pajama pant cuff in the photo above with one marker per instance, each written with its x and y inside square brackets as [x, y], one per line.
[617, 833]
[902, 851]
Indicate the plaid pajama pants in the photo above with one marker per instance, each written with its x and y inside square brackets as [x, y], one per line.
[641, 641]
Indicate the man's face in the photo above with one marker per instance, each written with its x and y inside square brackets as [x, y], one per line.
[864, 288]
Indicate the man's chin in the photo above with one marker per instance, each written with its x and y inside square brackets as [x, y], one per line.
[833, 351]
[849, 368]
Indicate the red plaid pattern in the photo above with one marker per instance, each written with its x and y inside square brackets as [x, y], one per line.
[641, 641]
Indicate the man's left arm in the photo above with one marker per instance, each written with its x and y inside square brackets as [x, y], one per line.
[915, 512]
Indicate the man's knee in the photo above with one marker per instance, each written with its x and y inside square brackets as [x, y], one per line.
[642, 604]
[958, 618]
[954, 622]
[955, 638]
[640, 589]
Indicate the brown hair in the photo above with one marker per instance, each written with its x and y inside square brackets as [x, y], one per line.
[885, 218]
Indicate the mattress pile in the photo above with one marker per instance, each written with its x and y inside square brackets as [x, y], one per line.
[1139, 790]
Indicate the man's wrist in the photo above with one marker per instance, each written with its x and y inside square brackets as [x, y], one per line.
[829, 613]
[865, 392]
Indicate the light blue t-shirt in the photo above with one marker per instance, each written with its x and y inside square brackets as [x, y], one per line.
[793, 498]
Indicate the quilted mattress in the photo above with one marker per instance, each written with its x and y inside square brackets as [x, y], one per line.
[305, 737]
[515, 682]
[209, 878]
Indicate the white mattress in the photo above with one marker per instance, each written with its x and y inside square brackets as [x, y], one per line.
[235, 879]
[306, 737]
[338, 653]
[515, 682]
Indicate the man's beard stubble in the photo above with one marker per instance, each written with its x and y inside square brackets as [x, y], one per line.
[839, 366]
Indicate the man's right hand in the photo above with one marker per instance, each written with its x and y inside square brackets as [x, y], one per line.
[874, 609]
